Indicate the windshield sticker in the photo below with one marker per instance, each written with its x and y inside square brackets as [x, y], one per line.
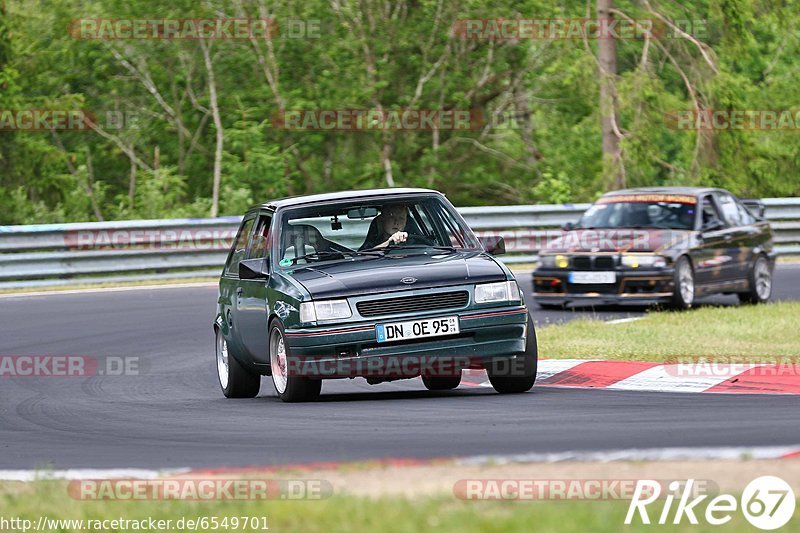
[649, 198]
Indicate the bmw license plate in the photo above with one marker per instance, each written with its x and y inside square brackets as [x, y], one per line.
[593, 277]
[415, 329]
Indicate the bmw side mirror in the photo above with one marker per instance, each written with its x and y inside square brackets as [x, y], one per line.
[493, 244]
[569, 226]
[254, 269]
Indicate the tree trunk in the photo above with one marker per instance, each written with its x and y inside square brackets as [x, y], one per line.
[607, 58]
[132, 182]
[212, 95]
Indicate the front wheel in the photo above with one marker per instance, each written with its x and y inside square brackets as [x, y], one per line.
[509, 376]
[290, 387]
[235, 380]
[683, 296]
[759, 281]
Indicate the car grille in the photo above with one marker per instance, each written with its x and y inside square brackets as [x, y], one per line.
[587, 262]
[602, 263]
[406, 304]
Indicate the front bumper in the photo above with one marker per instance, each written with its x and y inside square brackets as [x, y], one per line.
[353, 350]
[552, 286]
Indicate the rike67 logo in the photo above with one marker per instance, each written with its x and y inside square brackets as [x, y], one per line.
[767, 502]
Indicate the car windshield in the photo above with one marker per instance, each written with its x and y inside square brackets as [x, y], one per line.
[653, 211]
[365, 228]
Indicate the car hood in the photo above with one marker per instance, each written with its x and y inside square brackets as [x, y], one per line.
[619, 240]
[382, 274]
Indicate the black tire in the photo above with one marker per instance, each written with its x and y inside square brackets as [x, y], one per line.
[234, 379]
[441, 382]
[290, 388]
[759, 281]
[507, 381]
[683, 295]
[552, 307]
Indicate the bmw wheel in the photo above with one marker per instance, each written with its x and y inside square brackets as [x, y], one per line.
[759, 281]
[683, 296]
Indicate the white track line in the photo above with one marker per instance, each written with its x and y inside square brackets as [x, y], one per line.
[624, 320]
[631, 454]
[641, 454]
[89, 473]
[108, 289]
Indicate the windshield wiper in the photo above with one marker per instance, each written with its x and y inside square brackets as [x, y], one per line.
[434, 246]
[323, 254]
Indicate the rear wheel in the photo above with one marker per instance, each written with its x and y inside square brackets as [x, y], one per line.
[759, 281]
[290, 388]
[683, 295]
[441, 383]
[235, 380]
[511, 376]
[552, 307]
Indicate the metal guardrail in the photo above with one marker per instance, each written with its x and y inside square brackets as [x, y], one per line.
[53, 254]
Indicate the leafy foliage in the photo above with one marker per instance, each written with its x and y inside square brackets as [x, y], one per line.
[152, 152]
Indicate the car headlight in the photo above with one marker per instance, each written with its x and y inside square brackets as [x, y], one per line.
[636, 261]
[324, 310]
[554, 261]
[504, 291]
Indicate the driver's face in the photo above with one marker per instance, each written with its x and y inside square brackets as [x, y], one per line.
[394, 219]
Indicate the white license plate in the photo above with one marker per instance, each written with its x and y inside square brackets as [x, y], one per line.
[415, 329]
[593, 277]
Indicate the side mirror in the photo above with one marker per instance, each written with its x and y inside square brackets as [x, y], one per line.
[569, 226]
[254, 269]
[712, 225]
[493, 244]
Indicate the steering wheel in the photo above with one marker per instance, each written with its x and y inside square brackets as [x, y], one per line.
[414, 238]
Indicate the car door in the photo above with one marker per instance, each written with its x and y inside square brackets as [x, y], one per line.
[712, 255]
[744, 234]
[229, 284]
[252, 302]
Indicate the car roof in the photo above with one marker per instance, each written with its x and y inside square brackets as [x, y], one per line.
[342, 195]
[693, 191]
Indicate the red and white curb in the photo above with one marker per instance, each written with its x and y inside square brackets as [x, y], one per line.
[632, 454]
[754, 378]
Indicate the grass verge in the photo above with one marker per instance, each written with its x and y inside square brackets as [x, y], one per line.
[30, 501]
[741, 333]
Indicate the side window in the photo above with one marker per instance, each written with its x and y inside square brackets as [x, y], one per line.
[260, 244]
[730, 211]
[239, 247]
[709, 210]
[745, 216]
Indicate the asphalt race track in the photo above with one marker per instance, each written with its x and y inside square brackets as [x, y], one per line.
[173, 414]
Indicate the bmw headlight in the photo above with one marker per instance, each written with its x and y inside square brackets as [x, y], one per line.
[504, 291]
[554, 261]
[324, 310]
[638, 261]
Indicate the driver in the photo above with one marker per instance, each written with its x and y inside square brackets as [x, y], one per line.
[387, 228]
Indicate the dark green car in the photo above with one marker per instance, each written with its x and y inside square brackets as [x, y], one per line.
[383, 284]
